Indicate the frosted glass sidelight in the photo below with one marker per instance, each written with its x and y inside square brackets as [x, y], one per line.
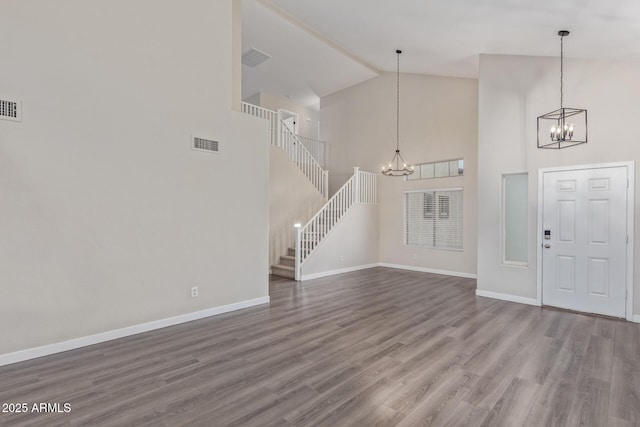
[515, 218]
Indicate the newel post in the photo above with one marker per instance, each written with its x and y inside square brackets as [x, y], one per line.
[279, 130]
[298, 251]
[325, 184]
[274, 130]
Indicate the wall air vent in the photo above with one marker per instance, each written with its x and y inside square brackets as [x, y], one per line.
[208, 145]
[253, 57]
[10, 110]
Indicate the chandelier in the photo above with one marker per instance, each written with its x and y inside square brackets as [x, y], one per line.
[397, 159]
[564, 131]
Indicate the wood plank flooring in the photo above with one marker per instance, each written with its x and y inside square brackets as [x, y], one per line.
[379, 347]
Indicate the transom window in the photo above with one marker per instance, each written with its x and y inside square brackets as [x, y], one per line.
[437, 170]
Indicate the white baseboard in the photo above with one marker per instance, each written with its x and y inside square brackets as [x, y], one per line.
[636, 319]
[46, 350]
[507, 297]
[429, 270]
[340, 271]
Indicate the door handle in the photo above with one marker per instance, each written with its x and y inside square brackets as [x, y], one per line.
[547, 246]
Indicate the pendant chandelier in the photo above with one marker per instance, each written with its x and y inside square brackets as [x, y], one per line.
[397, 160]
[565, 127]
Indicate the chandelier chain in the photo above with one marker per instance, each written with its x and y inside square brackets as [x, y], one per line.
[561, 68]
[563, 130]
[398, 103]
[401, 168]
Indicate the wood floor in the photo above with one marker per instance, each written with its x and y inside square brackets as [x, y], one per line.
[376, 347]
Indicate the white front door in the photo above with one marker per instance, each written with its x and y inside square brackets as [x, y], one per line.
[584, 242]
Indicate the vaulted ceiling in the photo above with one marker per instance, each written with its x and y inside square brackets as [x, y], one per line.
[320, 46]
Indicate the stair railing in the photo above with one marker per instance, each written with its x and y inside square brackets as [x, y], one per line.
[315, 147]
[263, 113]
[298, 153]
[283, 137]
[362, 187]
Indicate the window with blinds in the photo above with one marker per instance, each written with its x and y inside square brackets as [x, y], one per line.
[434, 218]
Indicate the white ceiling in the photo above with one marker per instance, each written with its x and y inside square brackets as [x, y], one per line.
[321, 46]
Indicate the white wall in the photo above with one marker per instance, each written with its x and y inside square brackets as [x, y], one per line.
[254, 99]
[307, 117]
[351, 244]
[292, 199]
[438, 121]
[109, 217]
[513, 91]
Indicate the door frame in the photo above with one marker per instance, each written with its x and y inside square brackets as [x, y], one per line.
[282, 112]
[630, 221]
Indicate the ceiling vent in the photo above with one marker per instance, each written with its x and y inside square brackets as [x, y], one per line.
[208, 145]
[253, 57]
[10, 110]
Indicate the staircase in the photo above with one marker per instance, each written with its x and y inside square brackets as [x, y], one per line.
[286, 267]
[292, 144]
[307, 154]
[360, 188]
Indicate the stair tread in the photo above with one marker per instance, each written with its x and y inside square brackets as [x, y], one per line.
[283, 267]
[288, 257]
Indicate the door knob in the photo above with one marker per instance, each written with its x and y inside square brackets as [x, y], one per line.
[547, 246]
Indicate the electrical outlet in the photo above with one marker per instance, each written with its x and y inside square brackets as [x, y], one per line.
[194, 292]
[341, 258]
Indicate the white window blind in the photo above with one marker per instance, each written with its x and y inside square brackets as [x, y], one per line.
[434, 218]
